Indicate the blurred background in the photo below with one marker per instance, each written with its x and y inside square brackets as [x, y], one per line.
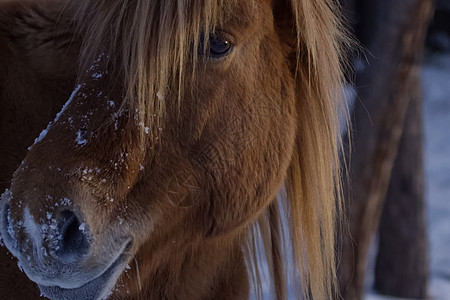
[397, 243]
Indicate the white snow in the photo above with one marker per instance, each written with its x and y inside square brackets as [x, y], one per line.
[81, 139]
[82, 227]
[97, 75]
[65, 202]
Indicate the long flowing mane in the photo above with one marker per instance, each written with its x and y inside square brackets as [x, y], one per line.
[135, 31]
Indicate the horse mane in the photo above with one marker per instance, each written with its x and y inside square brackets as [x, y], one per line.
[130, 33]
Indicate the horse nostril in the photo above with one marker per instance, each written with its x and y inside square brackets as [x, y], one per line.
[74, 242]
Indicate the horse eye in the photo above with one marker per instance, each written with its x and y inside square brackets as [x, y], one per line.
[219, 47]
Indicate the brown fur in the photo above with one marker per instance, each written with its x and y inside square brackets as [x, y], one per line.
[193, 152]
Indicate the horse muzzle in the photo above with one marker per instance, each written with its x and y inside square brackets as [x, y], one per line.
[59, 253]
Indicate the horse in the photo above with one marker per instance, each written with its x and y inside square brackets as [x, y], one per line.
[181, 122]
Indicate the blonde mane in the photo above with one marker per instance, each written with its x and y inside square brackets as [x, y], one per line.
[132, 32]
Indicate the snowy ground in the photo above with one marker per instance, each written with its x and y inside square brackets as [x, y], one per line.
[436, 76]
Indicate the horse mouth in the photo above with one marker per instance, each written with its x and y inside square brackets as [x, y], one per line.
[98, 288]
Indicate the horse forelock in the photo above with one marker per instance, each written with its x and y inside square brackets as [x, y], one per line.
[133, 33]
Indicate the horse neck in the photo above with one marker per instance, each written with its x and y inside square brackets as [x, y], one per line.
[213, 269]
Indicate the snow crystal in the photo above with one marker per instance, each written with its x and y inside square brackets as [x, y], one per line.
[53, 225]
[41, 135]
[44, 229]
[97, 75]
[81, 139]
[65, 201]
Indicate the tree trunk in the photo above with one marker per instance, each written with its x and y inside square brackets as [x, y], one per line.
[401, 267]
[379, 114]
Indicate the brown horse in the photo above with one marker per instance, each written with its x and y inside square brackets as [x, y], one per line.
[184, 120]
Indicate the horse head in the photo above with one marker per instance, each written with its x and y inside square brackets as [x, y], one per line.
[186, 120]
